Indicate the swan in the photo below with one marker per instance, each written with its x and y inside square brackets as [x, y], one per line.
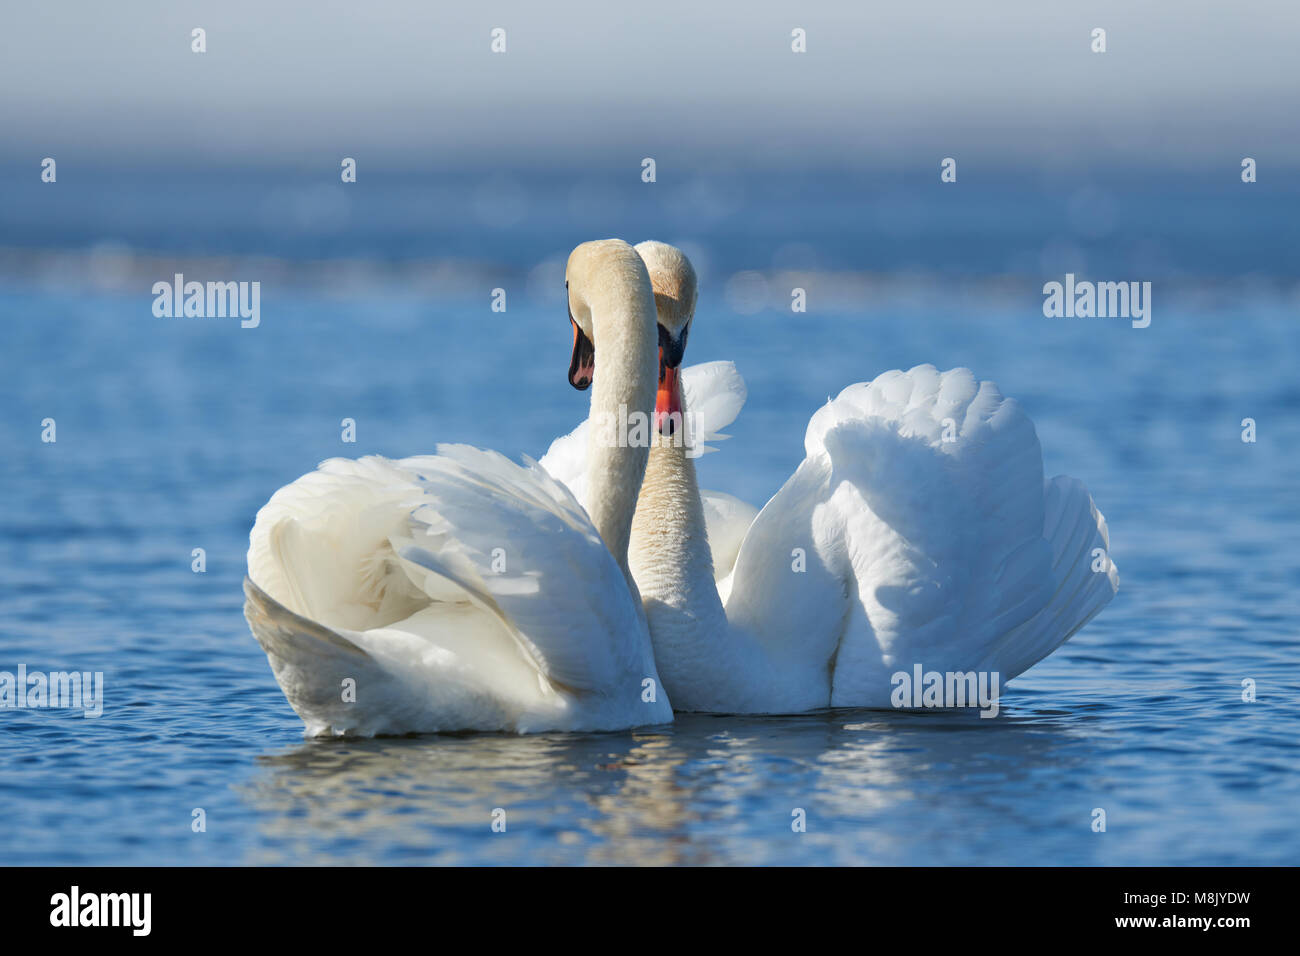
[918, 531]
[461, 591]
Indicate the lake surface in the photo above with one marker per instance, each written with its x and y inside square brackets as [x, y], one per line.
[171, 433]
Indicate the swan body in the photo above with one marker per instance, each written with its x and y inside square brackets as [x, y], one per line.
[918, 530]
[463, 591]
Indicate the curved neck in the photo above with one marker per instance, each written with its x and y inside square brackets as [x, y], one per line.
[622, 394]
[707, 663]
[669, 548]
[669, 555]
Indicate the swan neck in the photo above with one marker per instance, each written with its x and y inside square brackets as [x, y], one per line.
[669, 549]
[623, 394]
[704, 659]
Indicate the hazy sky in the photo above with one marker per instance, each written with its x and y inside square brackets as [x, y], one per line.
[403, 83]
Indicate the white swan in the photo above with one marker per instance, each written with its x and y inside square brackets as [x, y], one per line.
[918, 531]
[461, 591]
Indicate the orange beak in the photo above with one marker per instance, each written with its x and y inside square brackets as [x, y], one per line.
[668, 400]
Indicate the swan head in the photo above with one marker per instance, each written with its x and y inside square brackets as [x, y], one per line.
[597, 272]
[673, 278]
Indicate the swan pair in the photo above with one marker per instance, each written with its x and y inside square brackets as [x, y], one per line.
[461, 591]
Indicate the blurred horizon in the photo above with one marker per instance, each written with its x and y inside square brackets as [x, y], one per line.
[455, 233]
[475, 166]
[1182, 85]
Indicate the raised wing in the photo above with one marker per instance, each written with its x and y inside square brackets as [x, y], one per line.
[921, 512]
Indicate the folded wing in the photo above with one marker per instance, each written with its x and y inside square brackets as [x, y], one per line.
[457, 591]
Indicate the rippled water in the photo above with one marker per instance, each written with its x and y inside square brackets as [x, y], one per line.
[171, 433]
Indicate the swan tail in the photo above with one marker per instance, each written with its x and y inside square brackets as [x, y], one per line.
[312, 665]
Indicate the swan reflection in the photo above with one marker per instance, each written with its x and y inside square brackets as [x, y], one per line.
[705, 790]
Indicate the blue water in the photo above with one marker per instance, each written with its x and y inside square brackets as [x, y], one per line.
[171, 433]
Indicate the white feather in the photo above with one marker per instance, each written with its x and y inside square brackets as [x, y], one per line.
[456, 591]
